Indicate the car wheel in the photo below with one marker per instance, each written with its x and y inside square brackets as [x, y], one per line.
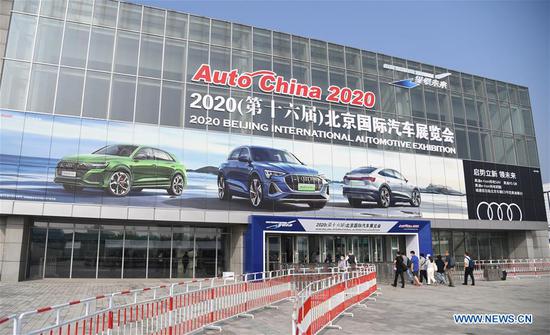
[415, 198]
[256, 192]
[223, 189]
[119, 183]
[72, 188]
[354, 202]
[317, 205]
[176, 186]
[384, 197]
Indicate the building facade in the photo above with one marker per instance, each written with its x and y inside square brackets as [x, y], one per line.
[140, 142]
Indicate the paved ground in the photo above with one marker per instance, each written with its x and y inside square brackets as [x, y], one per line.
[411, 310]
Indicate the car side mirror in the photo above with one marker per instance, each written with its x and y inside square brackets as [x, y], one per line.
[243, 159]
[406, 180]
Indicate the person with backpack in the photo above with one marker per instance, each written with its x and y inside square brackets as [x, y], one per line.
[399, 267]
[440, 272]
[407, 263]
[469, 264]
[351, 260]
[449, 267]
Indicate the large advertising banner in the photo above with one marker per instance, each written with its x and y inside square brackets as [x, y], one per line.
[290, 149]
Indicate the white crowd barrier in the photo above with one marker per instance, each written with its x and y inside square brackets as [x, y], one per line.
[322, 301]
[173, 309]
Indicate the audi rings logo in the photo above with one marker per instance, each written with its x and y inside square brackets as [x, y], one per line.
[498, 211]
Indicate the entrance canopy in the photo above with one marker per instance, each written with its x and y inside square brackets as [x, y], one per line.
[417, 233]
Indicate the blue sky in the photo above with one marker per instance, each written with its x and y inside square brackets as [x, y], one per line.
[504, 40]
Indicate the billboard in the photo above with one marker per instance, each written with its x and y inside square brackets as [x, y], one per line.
[306, 151]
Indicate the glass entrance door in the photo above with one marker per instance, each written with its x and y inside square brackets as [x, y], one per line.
[273, 250]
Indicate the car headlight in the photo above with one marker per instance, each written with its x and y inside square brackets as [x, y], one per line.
[97, 165]
[271, 173]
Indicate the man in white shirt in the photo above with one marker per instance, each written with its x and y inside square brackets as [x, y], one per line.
[468, 269]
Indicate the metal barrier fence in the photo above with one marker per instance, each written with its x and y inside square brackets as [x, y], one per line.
[178, 308]
[322, 301]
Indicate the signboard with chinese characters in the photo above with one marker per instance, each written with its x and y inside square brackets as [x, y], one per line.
[503, 192]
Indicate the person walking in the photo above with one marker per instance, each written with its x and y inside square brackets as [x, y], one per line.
[415, 268]
[423, 268]
[440, 273]
[407, 263]
[468, 269]
[185, 262]
[431, 269]
[351, 260]
[449, 267]
[399, 267]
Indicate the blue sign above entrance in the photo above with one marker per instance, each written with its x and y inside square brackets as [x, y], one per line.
[418, 232]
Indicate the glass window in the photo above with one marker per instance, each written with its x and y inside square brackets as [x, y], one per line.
[160, 240]
[126, 54]
[105, 12]
[461, 143]
[148, 101]
[491, 89]
[96, 95]
[383, 59]
[27, 6]
[387, 98]
[183, 252]
[499, 149]
[502, 92]
[75, 45]
[432, 109]
[417, 103]
[336, 55]
[479, 87]
[205, 252]
[197, 55]
[353, 59]
[220, 58]
[21, 37]
[42, 88]
[467, 84]
[101, 49]
[481, 107]
[318, 52]
[281, 44]
[262, 41]
[85, 251]
[494, 117]
[221, 33]
[517, 121]
[242, 61]
[484, 246]
[15, 77]
[35, 267]
[458, 109]
[354, 80]
[199, 29]
[153, 21]
[369, 63]
[472, 118]
[510, 152]
[53, 8]
[150, 57]
[59, 248]
[174, 59]
[172, 104]
[300, 71]
[69, 92]
[371, 84]
[281, 66]
[122, 98]
[514, 95]
[521, 152]
[444, 106]
[475, 145]
[110, 251]
[242, 37]
[486, 147]
[48, 41]
[524, 97]
[176, 25]
[455, 82]
[528, 121]
[129, 16]
[337, 77]
[505, 118]
[80, 10]
[300, 48]
[403, 102]
[532, 153]
[319, 77]
[135, 252]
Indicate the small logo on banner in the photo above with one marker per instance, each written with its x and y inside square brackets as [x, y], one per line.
[280, 224]
[498, 211]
